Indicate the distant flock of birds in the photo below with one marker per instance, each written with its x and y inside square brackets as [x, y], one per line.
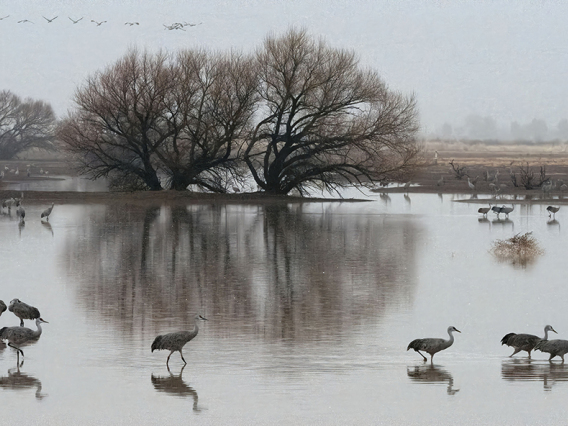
[552, 210]
[174, 26]
[519, 342]
[16, 171]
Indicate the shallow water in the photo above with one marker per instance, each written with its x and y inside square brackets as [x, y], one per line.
[310, 311]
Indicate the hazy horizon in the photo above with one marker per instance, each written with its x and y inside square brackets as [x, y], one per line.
[502, 60]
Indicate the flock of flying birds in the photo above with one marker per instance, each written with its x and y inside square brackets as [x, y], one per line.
[174, 26]
[519, 342]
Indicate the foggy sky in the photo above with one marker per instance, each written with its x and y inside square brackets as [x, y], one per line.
[503, 59]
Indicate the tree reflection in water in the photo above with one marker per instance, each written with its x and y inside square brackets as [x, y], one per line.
[278, 271]
[431, 374]
[175, 385]
[526, 370]
[16, 380]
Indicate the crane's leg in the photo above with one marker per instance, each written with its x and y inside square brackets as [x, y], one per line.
[431, 358]
[21, 322]
[551, 356]
[168, 360]
[18, 349]
[529, 354]
[425, 359]
[182, 358]
[516, 352]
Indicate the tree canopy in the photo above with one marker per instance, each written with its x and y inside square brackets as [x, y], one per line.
[24, 124]
[296, 115]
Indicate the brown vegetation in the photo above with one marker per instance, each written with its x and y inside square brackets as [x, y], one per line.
[518, 250]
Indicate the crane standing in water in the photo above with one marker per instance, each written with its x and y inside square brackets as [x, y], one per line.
[47, 212]
[557, 347]
[23, 311]
[524, 342]
[433, 346]
[176, 341]
[20, 335]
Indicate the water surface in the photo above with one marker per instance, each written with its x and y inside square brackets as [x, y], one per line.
[310, 310]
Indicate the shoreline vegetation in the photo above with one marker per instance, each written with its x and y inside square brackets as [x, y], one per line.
[477, 158]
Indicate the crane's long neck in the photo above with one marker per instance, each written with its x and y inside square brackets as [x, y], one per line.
[545, 334]
[37, 333]
[450, 332]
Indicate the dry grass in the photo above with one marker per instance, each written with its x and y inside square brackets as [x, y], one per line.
[521, 249]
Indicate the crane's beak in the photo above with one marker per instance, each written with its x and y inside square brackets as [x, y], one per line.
[42, 320]
[457, 330]
[551, 329]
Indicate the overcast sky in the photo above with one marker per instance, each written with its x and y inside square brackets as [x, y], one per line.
[505, 59]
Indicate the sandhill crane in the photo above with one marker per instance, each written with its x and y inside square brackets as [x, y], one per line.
[484, 210]
[433, 346]
[98, 23]
[75, 21]
[17, 336]
[524, 342]
[440, 181]
[3, 307]
[407, 185]
[49, 21]
[23, 21]
[21, 213]
[7, 16]
[47, 212]
[17, 172]
[23, 311]
[470, 184]
[176, 341]
[8, 203]
[546, 187]
[552, 210]
[507, 210]
[131, 23]
[555, 347]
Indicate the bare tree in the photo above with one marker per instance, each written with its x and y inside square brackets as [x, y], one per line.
[154, 121]
[216, 97]
[120, 121]
[324, 122]
[24, 125]
[459, 172]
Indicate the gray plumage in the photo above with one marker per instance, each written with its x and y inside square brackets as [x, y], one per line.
[2, 307]
[23, 311]
[433, 346]
[507, 210]
[47, 212]
[176, 341]
[552, 210]
[484, 210]
[524, 342]
[17, 336]
[555, 347]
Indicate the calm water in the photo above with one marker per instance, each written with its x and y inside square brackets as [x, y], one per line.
[310, 311]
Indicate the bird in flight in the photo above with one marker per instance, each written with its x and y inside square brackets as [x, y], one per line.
[7, 16]
[131, 23]
[24, 21]
[98, 23]
[75, 21]
[49, 21]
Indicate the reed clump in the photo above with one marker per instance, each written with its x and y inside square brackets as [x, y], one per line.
[521, 249]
